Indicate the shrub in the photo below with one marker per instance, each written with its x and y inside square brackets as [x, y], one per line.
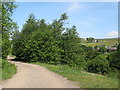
[114, 60]
[98, 65]
[102, 49]
[113, 72]
[91, 54]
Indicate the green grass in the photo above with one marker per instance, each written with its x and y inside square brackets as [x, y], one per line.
[85, 79]
[7, 70]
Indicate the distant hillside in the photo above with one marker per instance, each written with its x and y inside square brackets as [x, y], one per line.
[107, 42]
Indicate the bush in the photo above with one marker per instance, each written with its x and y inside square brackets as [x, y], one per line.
[113, 72]
[91, 54]
[98, 65]
[114, 60]
[102, 49]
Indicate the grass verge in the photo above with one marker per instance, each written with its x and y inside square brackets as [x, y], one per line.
[85, 79]
[7, 70]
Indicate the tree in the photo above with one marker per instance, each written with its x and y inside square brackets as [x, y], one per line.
[20, 39]
[7, 25]
[72, 48]
[30, 26]
[90, 39]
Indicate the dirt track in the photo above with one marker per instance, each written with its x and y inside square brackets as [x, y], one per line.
[34, 76]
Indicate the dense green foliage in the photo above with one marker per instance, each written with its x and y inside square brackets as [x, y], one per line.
[114, 63]
[114, 59]
[98, 65]
[7, 69]
[7, 25]
[50, 43]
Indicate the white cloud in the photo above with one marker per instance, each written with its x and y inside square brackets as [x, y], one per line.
[112, 34]
[75, 6]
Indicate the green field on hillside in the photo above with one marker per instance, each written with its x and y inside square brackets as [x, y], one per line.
[107, 42]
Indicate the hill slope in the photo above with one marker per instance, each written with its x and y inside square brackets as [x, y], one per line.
[107, 42]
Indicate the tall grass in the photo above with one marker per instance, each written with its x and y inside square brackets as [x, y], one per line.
[7, 70]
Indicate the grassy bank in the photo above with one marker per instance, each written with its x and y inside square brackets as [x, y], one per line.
[85, 79]
[7, 70]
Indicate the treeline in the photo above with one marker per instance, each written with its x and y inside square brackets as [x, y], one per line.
[56, 44]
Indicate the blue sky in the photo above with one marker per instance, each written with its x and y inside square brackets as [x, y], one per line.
[92, 19]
